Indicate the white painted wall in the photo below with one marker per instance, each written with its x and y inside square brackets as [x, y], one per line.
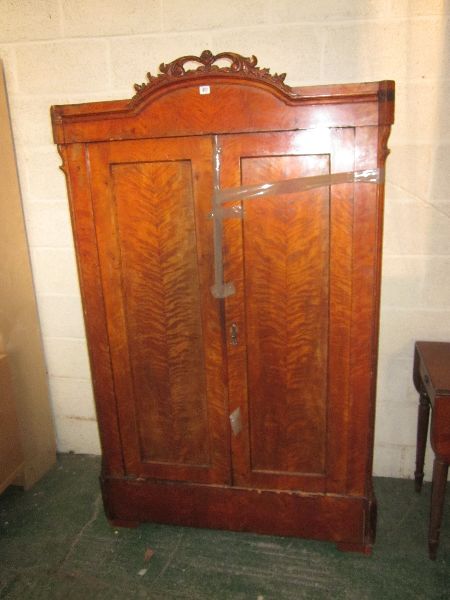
[59, 51]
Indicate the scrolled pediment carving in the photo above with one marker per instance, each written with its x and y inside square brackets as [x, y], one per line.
[238, 66]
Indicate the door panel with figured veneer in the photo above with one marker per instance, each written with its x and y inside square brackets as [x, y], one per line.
[287, 297]
[162, 318]
[286, 250]
[156, 233]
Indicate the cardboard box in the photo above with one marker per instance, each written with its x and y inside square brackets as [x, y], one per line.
[11, 457]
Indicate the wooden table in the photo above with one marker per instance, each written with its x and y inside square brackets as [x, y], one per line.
[432, 381]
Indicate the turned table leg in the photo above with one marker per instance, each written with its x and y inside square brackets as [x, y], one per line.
[440, 472]
[422, 432]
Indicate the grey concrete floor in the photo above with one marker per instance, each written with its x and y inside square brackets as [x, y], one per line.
[55, 542]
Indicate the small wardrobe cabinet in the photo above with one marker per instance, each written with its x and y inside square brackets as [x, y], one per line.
[233, 343]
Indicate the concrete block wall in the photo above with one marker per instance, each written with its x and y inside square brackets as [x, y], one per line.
[59, 51]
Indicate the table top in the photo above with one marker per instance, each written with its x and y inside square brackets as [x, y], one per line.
[436, 358]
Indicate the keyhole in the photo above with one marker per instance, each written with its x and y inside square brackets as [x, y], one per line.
[234, 334]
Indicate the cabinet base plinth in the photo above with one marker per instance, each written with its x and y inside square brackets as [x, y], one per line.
[361, 548]
[124, 523]
[337, 518]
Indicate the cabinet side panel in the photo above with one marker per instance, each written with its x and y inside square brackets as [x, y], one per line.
[156, 232]
[368, 206]
[341, 234]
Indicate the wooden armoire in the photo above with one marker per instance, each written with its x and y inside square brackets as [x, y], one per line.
[230, 281]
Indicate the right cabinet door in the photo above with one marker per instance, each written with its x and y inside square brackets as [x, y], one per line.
[288, 325]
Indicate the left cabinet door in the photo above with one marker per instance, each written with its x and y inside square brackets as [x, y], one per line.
[151, 201]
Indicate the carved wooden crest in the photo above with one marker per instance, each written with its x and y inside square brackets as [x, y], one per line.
[238, 66]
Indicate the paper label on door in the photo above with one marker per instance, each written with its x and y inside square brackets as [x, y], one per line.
[236, 422]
